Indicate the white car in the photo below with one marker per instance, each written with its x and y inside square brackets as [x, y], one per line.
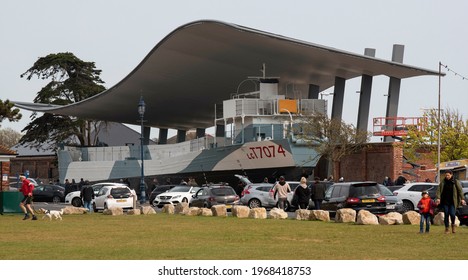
[114, 196]
[175, 195]
[74, 198]
[410, 194]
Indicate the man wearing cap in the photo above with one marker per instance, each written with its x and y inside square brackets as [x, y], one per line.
[282, 189]
[449, 195]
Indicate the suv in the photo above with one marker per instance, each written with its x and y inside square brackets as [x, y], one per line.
[410, 194]
[355, 195]
[215, 195]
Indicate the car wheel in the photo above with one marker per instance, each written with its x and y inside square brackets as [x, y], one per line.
[76, 202]
[287, 206]
[184, 199]
[407, 206]
[154, 203]
[105, 206]
[56, 199]
[94, 208]
[205, 205]
[255, 203]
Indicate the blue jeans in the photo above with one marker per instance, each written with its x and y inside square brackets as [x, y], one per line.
[87, 205]
[425, 217]
[449, 210]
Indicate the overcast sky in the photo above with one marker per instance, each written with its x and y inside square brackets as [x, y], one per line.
[117, 35]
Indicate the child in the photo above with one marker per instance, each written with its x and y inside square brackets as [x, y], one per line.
[426, 208]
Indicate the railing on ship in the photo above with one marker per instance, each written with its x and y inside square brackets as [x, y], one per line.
[239, 107]
[132, 152]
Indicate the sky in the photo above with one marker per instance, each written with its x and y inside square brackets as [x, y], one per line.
[117, 35]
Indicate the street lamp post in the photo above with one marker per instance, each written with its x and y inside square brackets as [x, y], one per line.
[141, 111]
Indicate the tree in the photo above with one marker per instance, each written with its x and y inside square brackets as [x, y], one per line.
[7, 112]
[453, 136]
[9, 137]
[72, 80]
[332, 138]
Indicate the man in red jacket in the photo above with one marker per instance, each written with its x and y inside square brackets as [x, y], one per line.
[27, 189]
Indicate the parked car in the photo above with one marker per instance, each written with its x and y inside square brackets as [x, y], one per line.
[462, 213]
[261, 194]
[215, 195]
[159, 190]
[355, 195]
[74, 198]
[114, 196]
[394, 204]
[175, 195]
[49, 193]
[410, 194]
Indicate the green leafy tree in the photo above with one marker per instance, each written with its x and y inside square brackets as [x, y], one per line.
[7, 112]
[453, 136]
[332, 138]
[72, 80]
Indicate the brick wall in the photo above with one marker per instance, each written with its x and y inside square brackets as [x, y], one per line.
[379, 160]
[5, 170]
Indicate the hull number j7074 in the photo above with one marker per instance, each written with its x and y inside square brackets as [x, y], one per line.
[266, 152]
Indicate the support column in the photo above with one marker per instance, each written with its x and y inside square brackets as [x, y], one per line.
[365, 96]
[313, 91]
[181, 135]
[162, 139]
[338, 97]
[200, 132]
[394, 90]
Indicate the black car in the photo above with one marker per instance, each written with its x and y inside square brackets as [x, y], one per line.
[214, 195]
[159, 190]
[355, 195]
[49, 193]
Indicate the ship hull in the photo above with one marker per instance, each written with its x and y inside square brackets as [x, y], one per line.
[257, 160]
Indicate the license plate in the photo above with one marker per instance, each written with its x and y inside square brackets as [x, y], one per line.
[368, 200]
[121, 200]
[229, 206]
[390, 206]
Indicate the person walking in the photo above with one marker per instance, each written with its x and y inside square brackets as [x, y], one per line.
[317, 193]
[281, 189]
[302, 193]
[449, 195]
[87, 196]
[426, 209]
[27, 189]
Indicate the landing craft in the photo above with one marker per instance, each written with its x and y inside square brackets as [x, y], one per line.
[259, 142]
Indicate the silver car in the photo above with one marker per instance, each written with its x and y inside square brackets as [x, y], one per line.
[261, 194]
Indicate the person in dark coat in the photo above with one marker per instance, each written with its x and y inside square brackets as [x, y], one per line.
[303, 194]
[87, 196]
[449, 196]
[317, 193]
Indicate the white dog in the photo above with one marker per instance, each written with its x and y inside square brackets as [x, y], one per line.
[53, 214]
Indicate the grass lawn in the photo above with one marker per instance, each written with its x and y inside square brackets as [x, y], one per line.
[177, 237]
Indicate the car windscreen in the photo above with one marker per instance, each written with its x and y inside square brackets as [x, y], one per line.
[223, 191]
[363, 190]
[180, 189]
[120, 192]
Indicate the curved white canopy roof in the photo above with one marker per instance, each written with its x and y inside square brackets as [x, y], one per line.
[202, 63]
